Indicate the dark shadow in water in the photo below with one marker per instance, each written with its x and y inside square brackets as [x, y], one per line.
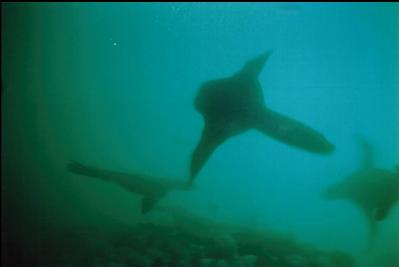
[234, 105]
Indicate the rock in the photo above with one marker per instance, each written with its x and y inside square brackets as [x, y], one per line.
[135, 259]
[206, 262]
[220, 263]
[342, 259]
[245, 261]
[223, 247]
[116, 264]
[182, 264]
[158, 257]
[296, 260]
[209, 262]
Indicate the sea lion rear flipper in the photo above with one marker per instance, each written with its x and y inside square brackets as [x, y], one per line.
[86, 170]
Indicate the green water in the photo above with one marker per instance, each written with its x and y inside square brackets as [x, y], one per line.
[113, 86]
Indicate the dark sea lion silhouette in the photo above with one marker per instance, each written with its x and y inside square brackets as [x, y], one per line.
[233, 105]
[373, 190]
[151, 188]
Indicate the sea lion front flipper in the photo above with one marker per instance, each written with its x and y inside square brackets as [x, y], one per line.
[368, 153]
[148, 202]
[373, 230]
[291, 132]
[211, 138]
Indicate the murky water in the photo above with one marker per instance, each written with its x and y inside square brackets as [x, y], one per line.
[113, 87]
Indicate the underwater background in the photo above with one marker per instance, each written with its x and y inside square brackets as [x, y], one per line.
[113, 85]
